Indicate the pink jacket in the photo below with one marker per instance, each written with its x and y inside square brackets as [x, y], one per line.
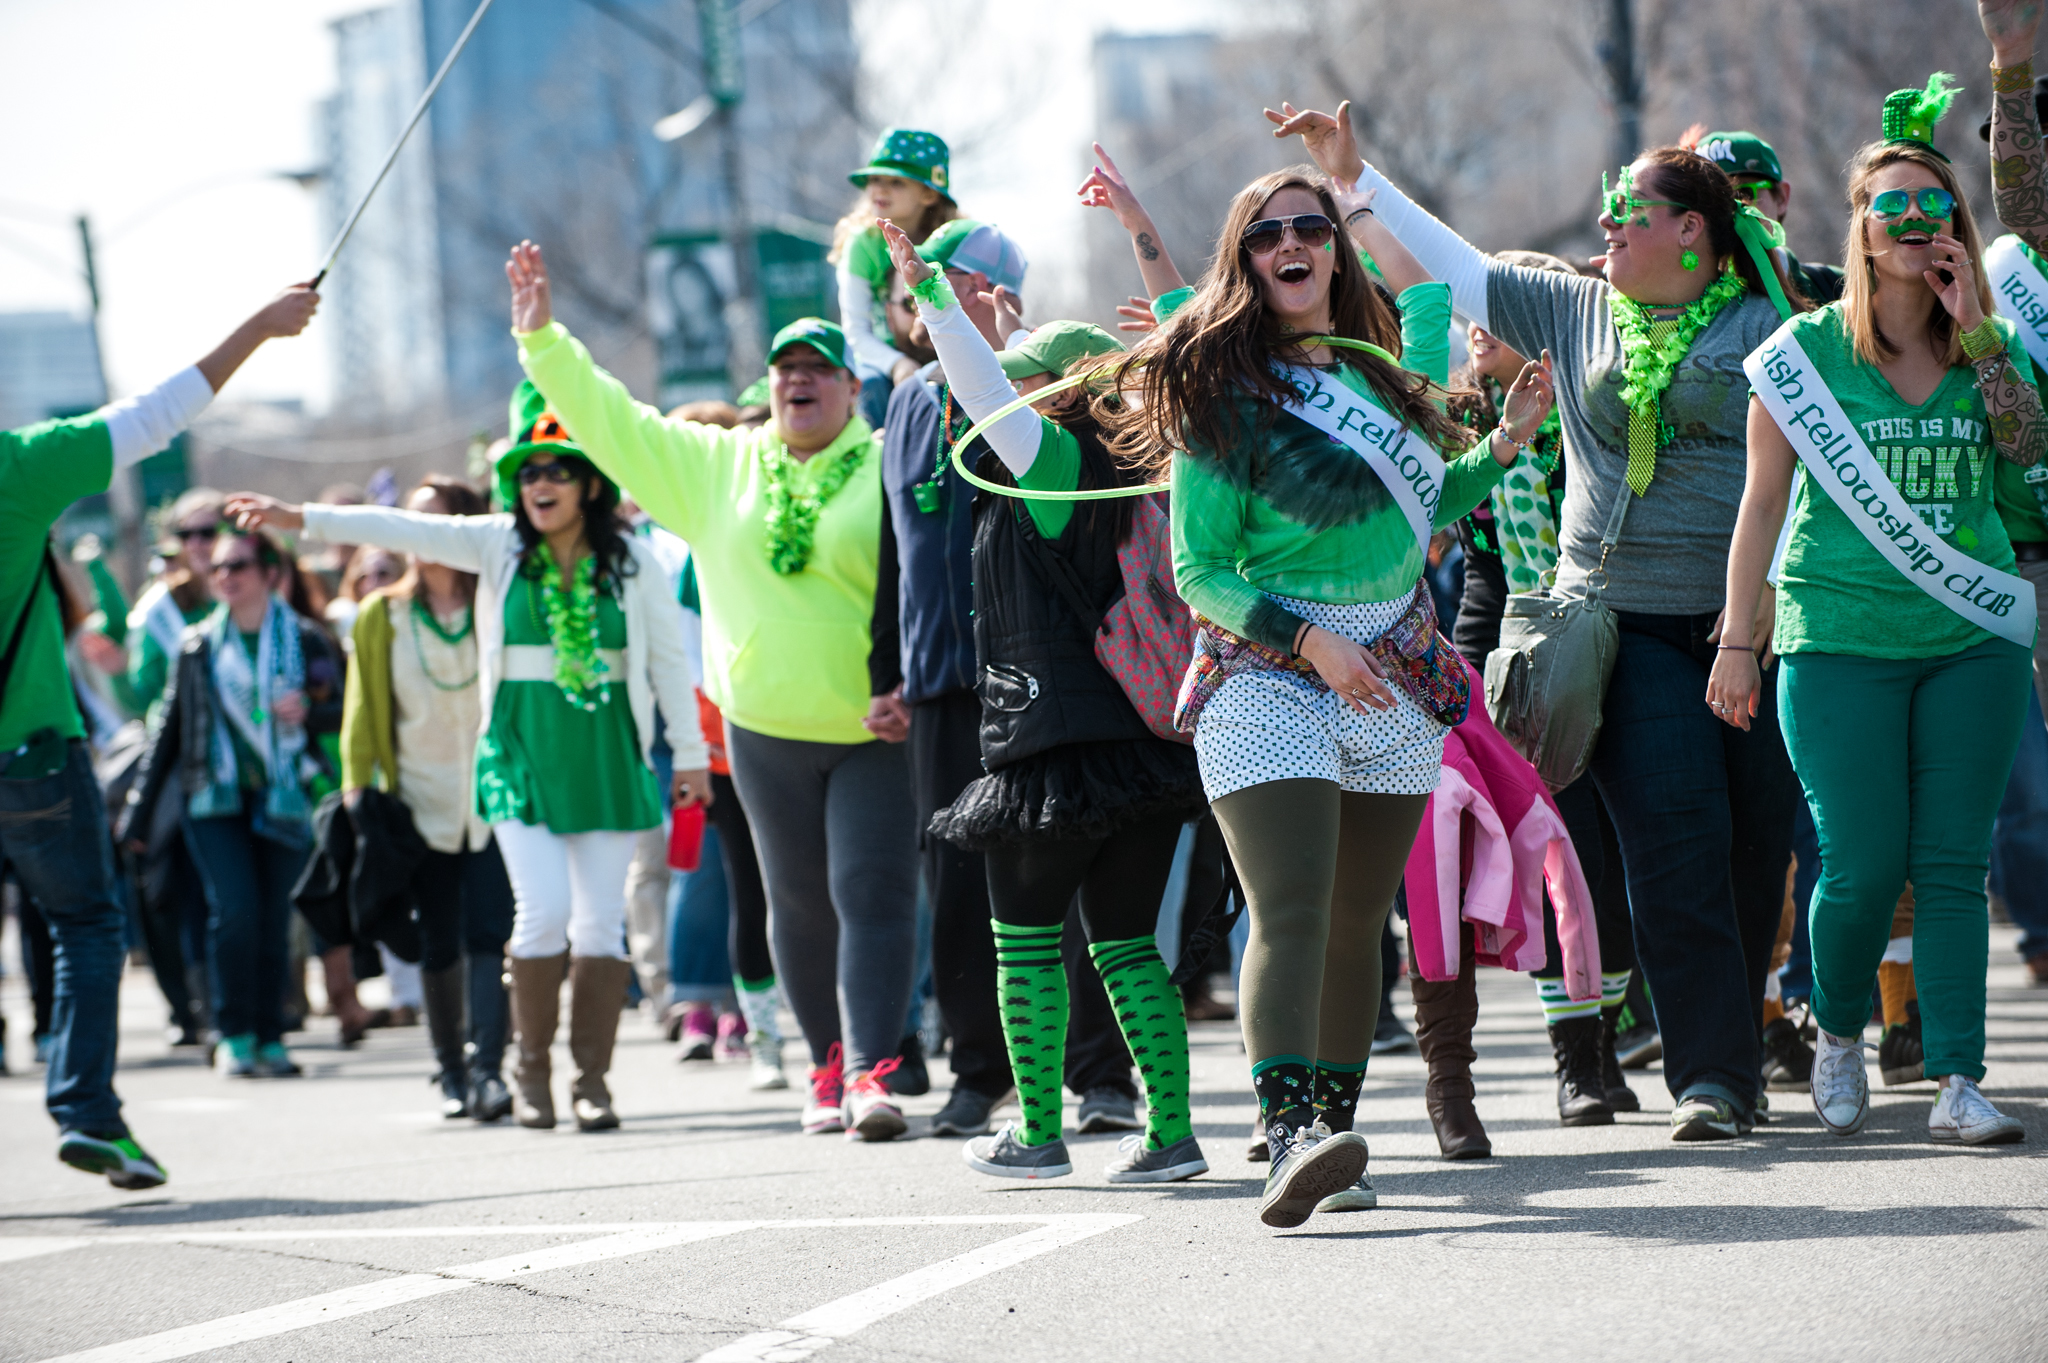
[1492, 827]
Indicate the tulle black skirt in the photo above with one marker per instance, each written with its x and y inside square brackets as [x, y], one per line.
[1077, 790]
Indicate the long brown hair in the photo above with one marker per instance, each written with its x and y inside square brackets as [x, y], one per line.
[1858, 314]
[1698, 185]
[460, 499]
[1223, 342]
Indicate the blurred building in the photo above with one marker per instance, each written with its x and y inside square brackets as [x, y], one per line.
[543, 130]
[49, 366]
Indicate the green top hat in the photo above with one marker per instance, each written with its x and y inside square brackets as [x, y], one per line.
[535, 430]
[1742, 153]
[1055, 346]
[1910, 115]
[820, 335]
[913, 155]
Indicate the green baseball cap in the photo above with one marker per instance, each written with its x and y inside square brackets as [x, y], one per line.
[911, 155]
[1053, 347]
[1742, 153]
[754, 394]
[535, 430]
[820, 335]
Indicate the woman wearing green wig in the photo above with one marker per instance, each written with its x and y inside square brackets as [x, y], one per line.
[1905, 632]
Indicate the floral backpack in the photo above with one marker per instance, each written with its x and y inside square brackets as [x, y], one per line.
[1147, 639]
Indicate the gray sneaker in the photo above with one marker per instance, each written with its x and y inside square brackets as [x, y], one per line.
[1135, 1164]
[1359, 1197]
[966, 1112]
[1316, 1164]
[1702, 1117]
[1004, 1156]
[1108, 1109]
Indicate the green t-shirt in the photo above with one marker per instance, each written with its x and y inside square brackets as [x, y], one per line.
[545, 761]
[1837, 594]
[43, 469]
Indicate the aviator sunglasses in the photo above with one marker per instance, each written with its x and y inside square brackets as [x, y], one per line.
[1263, 237]
[1937, 204]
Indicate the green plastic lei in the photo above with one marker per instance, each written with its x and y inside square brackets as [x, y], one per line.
[1647, 367]
[793, 516]
[572, 629]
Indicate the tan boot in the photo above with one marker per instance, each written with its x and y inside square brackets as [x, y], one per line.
[536, 986]
[597, 991]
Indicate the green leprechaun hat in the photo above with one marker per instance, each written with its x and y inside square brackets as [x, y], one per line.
[535, 429]
[911, 154]
[1910, 115]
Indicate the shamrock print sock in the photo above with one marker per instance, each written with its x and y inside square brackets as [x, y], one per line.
[1148, 1010]
[1285, 1085]
[1031, 990]
[1337, 1092]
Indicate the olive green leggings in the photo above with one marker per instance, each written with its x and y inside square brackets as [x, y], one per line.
[1319, 868]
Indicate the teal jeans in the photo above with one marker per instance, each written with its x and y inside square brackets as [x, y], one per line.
[1904, 762]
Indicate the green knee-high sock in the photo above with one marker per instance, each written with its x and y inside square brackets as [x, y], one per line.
[1031, 987]
[1148, 1009]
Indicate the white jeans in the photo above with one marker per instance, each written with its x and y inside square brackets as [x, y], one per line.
[570, 891]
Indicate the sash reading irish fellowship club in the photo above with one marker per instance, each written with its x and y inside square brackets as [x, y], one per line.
[2021, 291]
[1412, 471]
[1838, 462]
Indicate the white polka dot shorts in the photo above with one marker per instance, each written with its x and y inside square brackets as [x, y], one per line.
[1276, 726]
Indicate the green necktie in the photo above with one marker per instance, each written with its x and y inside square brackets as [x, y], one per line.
[1645, 423]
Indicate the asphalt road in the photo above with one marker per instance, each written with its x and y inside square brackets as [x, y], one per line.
[336, 1217]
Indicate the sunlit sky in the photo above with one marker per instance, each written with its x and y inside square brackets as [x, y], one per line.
[168, 122]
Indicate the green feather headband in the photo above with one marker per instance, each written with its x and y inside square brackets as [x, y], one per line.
[1910, 115]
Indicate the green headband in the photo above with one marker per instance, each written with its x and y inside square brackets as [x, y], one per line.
[1910, 115]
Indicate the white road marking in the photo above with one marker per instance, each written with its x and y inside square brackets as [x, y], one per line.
[803, 1335]
[799, 1337]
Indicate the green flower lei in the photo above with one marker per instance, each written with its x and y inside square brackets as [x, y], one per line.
[792, 515]
[572, 629]
[1647, 367]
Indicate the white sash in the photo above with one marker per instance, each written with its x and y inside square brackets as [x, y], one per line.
[1838, 461]
[536, 663]
[1412, 471]
[2021, 291]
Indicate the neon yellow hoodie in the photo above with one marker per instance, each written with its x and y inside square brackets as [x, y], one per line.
[785, 656]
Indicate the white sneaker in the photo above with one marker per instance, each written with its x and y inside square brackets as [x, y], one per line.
[1963, 1114]
[1841, 1083]
[764, 1053]
[871, 1113]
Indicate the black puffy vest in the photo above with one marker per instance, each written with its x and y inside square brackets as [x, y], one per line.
[1039, 682]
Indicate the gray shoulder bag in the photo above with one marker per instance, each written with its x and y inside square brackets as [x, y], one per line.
[1547, 682]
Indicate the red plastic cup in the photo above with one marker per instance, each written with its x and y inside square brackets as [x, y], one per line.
[686, 838]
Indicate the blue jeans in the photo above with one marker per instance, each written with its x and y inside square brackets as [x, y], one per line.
[1704, 816]
[53, 831]
[2019, 842]
[248, 879]
[699, 916]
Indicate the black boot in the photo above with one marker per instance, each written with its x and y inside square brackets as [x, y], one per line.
[1620, 1096]
[913, 1077]
[1581, 1097]
[489, 1021]
[441, 992]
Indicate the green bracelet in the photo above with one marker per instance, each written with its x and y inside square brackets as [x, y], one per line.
[1982, 341]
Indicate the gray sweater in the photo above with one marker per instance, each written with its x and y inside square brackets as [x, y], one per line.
[1673, 554]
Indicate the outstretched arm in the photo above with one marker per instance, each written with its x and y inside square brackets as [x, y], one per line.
[2016, 157]
[1106, 187]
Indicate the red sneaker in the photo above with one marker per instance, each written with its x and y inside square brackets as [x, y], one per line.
[871, 1112]
[822, 1111]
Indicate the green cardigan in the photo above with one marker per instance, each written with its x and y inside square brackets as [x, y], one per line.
[369, 733]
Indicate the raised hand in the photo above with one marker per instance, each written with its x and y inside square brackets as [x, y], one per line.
[532, 307]
[2010, 25]
[251, 509]
[1350, 198]
[1009, 316]
[1106, 187]
[288, 313]
[1139, 310]
[1529, 399]
[1329, 139]
[1959, 293]
[914, 268]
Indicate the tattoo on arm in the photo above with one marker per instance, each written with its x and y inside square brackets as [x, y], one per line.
[2016, 155]
[2018, 426]
[1147, 248]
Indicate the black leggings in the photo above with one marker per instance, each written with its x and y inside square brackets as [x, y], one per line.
[747, 937]
[1599, 851]
[1120, 878]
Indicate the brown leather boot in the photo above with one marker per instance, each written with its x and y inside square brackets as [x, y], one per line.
[536, 985]
[597, 991]
[1445, 1011]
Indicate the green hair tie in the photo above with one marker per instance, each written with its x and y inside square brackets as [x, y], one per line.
[1762, 235]
[1910, 115]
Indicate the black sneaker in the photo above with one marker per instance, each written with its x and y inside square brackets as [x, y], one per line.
[1108, 1109]
[126, 1164]
[1703, 1118]
[1388, 1034]
[1788, 1060]
[966, 1113]
[1900, 1056]
[1315, 1165]
[911, 1078]
[454, 1094]
[1004, 1156]
[490, 1100]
